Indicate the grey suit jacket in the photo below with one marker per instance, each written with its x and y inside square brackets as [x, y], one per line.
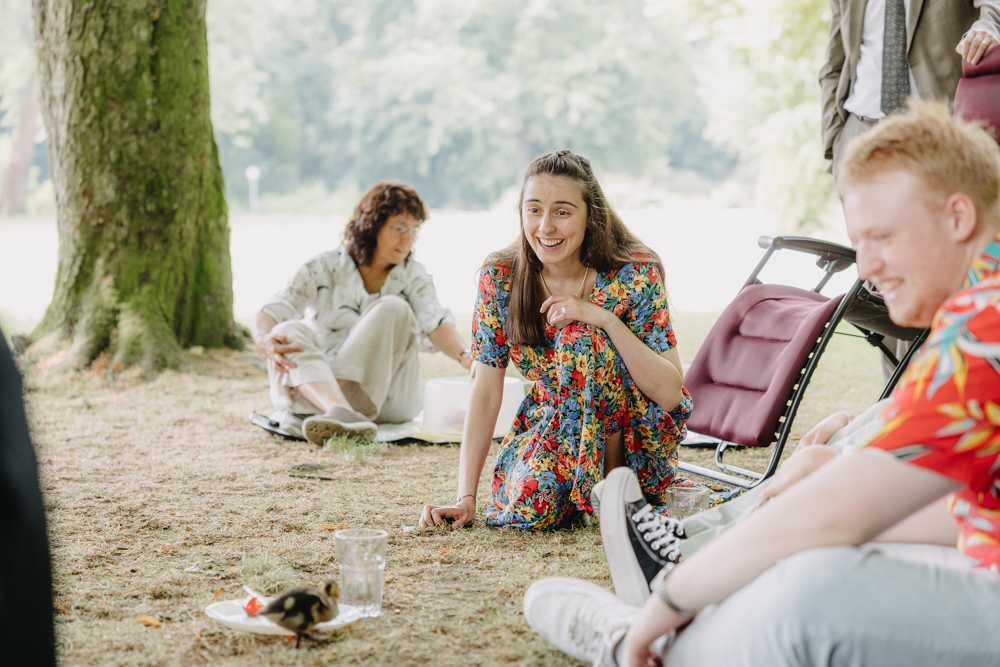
[934, 29]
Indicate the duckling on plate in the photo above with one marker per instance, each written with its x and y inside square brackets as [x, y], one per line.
[301, 609]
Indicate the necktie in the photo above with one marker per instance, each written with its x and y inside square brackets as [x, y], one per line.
[895, 68]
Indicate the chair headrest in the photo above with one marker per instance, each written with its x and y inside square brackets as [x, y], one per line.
[990, 64]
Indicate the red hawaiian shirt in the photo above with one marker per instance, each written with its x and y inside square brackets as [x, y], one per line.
[945, 413]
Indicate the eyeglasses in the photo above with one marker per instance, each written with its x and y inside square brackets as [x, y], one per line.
[402, 230]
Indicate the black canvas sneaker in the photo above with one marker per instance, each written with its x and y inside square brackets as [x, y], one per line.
[638, 541]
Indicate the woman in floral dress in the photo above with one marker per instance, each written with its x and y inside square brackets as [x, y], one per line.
[578, 303]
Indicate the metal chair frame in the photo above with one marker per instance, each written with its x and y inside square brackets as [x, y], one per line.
[832, 258]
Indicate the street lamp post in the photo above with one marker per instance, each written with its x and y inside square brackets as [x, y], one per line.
[253, 176]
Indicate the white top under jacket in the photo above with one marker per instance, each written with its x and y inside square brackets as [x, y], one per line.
[866, 94]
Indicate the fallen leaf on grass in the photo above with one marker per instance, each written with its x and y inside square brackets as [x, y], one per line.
[218, 593]
[197, 638]
[445, 550]
[333, 526]
[61, 608]
[150, 621]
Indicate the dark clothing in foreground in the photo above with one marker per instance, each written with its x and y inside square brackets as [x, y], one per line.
[27, 634]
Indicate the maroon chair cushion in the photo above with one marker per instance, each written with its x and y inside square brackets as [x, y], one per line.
[744, 373]
[978, 93]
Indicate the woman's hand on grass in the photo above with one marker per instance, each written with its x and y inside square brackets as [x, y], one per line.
[461, 514]
[563, 310]
[275, 347]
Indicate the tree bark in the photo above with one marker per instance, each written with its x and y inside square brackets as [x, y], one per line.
[144, 265]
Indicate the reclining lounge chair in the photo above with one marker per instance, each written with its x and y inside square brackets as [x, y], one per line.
[751, 372]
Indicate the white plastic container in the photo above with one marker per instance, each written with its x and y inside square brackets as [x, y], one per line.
[446, 401]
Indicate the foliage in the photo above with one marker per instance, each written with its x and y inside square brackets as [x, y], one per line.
[454, 96]
[760, 62]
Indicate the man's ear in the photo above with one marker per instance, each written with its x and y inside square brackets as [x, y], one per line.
[961, 215]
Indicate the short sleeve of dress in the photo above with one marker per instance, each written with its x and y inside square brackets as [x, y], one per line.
[489, 345]
[649, 317]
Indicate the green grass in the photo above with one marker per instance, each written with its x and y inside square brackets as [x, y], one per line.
[161, 496]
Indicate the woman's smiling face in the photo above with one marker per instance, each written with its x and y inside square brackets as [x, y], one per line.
[554, 218]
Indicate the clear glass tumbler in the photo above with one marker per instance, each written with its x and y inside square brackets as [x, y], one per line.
[684, 501]
[361, 556]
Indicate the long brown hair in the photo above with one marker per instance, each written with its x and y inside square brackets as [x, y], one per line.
[607, 245]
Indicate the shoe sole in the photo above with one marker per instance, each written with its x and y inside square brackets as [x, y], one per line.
[318, 431]
[626, 575]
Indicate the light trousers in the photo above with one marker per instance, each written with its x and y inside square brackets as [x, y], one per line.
[848, 607]
[379, 359]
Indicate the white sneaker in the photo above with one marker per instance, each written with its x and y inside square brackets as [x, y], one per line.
[638, 541]
[338, 420]
[579, 618]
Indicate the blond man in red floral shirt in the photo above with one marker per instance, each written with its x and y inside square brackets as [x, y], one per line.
[797, 582]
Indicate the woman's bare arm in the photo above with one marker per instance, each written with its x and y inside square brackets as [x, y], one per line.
[477, 436]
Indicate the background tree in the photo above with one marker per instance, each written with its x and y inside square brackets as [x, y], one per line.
[454, 96]
[143, 234]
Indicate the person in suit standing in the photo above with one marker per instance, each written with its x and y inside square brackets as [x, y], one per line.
[881, 52]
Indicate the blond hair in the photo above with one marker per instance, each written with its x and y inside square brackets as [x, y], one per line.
[949, 155]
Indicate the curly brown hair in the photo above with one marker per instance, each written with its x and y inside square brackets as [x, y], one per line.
[382, 201]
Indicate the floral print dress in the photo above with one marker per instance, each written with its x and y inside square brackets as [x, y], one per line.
[581, 392]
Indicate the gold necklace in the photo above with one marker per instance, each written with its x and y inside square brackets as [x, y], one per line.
[579, 295]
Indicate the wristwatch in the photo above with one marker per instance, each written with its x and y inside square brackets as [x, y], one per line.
[468, 352]
[658, 586]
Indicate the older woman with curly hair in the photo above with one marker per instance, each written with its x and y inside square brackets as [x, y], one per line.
[341, 339]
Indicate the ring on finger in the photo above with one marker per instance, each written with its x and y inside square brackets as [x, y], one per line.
[562, 311]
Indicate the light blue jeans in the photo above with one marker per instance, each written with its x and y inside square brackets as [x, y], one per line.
[849, 607]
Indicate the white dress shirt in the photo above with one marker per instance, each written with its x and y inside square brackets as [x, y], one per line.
[329, 295]
[866, 93]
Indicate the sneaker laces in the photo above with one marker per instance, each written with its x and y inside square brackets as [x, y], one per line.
[663, 533]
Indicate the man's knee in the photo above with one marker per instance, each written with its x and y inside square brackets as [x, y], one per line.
[296, 332]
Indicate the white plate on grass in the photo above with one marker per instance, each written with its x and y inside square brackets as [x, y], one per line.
[230, 612]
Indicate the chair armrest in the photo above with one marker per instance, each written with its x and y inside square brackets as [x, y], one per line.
[831, 257]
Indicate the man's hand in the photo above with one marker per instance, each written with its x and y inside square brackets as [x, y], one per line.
[976, 44]
[799, 465]
[821, 433]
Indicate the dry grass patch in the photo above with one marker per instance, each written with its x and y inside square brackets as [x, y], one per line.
[162, 498]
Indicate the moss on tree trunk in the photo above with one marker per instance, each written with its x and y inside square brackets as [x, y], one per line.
[144, 266]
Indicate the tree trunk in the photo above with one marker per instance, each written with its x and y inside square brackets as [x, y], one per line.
[13, 195]
[144, 264]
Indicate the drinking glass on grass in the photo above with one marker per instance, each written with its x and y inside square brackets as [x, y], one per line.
[361, 556]
[683, 501]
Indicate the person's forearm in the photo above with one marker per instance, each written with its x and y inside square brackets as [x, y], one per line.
[934, 524]
[655, 376]
[847, 502]
[446, 339]
[477, 436]
[262, 324]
